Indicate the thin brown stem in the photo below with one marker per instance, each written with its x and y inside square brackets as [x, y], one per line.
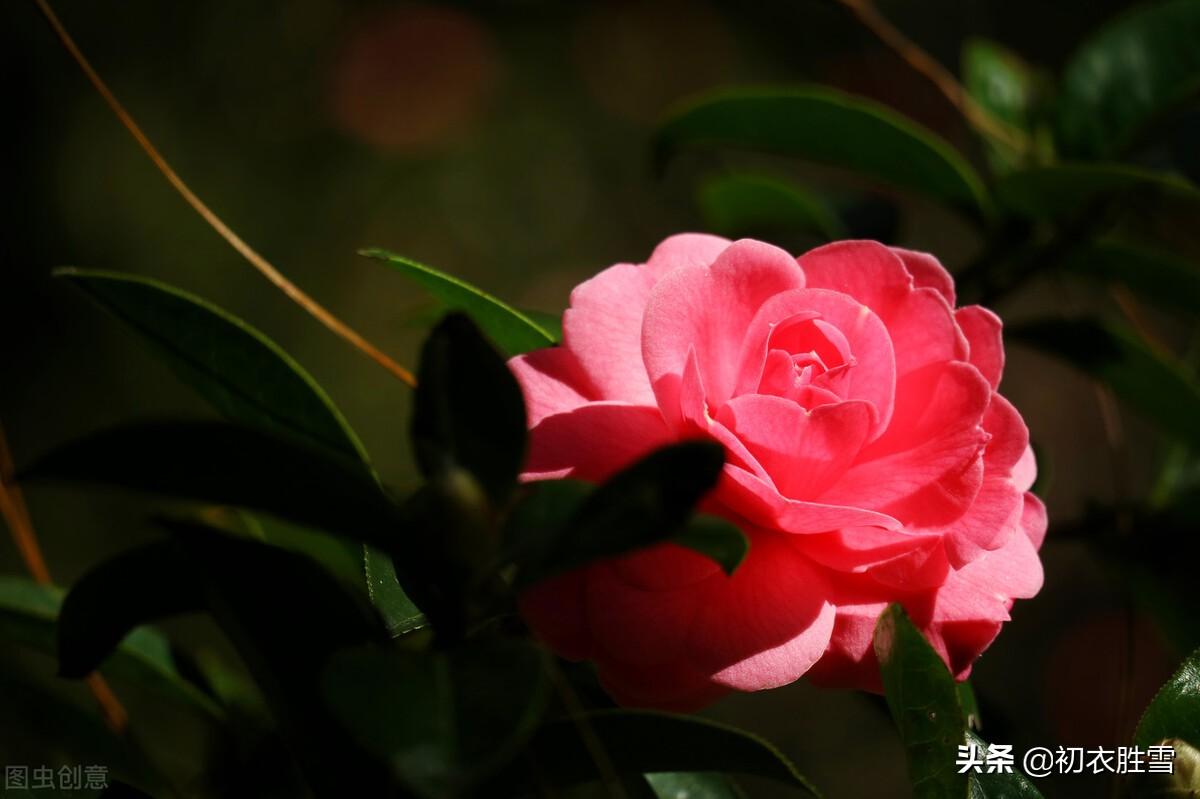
[591, 741]
[976, 115]
[20, 524]
[264, 267]
[1132, 310]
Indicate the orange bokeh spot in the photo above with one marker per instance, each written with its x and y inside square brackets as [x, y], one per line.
[411, 76]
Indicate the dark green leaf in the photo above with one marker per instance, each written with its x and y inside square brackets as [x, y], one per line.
[134, 588]
[718, 538]
[549, 322]
[923, 699]
[744, 205]
[1012, 92]
[468, 412]
[970, 706]
[648, 742]
[998, 785]
[340, 556]
[1127, 76]
[28, 616]
[695, 785]
[1175, 710]
[826, 126]
[244, 374]
[1055, 192]
[447, 556]
[220, 463]
[560, 525]
[399, 612]
[442, 721]
[513, 331]
[1162, 277]
[287, 616]
[1149, 382]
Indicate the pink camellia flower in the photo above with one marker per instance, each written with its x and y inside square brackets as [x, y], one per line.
[869, 459]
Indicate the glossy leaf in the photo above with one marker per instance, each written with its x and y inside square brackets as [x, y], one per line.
[137, 587]
[970, 705]
[549, 322]
[383, 586]
[443, 721]
[744, 205]
[219, 463]
[1011, 91]
[245, 375]
[29, 614]
[1175, 710]
[694, 785]
[998, 785]
[1159, 276]
[1146, 380]
[1055, 192]
[825, 126]
[468, 411]
[287, 616]
[513, 331]
[648, 742]
[923, 699]
[1126, 76]
[561, 525]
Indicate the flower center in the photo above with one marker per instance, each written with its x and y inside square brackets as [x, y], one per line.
[806, 359]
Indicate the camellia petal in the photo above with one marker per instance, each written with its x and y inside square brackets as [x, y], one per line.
[868, 458]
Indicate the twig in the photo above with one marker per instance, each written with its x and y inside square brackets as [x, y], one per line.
[315, 309]
[591, 741]
[975, 114]
[1132, 310]
[20, 524]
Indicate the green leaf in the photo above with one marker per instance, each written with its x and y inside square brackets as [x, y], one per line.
[399, 612]
[443, 721]
[513, 331]
[825, 126]
[970, 705]
[1175, 710]
[923, 699]
[29, 614]
[743, 204]
[1159, 276]
[1055, 192]
[694, 785]
[468, 411]
[547, 321]
[245, 375]
[1127, 76]
[718, 538]
[560, 525]
[340, 556]
[134, 588]
[649, 742]
[1011, 91]
[1147, 381]
[220, 463]
[286, 629]
[998, 785]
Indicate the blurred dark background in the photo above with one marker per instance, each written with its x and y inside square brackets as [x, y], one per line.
[506, 143]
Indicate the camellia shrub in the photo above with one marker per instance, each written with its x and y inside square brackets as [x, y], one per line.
[723, 469]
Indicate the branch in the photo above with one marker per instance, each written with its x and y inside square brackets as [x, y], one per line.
[20, 524]
[976, 115]
[315, 309]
